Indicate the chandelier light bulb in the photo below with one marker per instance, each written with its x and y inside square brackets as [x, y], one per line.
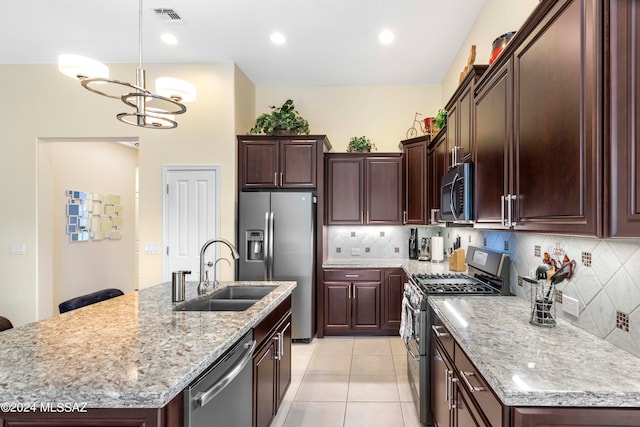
[177, 89]
[81, 67]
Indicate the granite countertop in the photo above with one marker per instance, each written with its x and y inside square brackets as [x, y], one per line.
[410, 266]
[133, 351]
[528, 365]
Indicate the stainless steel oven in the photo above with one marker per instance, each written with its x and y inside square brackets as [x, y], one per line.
[488, 275]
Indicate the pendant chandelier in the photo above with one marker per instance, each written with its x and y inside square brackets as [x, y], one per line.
[150, 110]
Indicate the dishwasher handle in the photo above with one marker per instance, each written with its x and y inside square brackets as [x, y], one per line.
[201, 399]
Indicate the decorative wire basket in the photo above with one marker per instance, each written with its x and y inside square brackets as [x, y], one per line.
[543, 310]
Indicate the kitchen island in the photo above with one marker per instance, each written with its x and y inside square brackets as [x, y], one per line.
[131, 352]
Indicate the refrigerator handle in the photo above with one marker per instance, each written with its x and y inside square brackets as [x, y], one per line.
[271, 238]
[267, 236]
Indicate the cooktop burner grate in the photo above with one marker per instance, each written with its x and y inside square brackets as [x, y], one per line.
[452, 283]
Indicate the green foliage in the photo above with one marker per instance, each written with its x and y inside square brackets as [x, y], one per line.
[441, 118]
[284, 119]
[360, 144]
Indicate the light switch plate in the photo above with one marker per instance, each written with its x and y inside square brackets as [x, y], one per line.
[571, 305]
[150, 248]
[17, 249]
[355, 251]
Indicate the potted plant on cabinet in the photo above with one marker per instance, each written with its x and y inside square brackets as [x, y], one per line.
[360, 144]
[283, 120]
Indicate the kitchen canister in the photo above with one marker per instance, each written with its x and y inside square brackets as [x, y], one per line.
[437, 249]
[178, 279]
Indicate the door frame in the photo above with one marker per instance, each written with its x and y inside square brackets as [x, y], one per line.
[166, 274]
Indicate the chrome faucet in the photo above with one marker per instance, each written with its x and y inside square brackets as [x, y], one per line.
[204, 282]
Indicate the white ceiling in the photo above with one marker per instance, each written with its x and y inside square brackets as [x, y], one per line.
[329, 42]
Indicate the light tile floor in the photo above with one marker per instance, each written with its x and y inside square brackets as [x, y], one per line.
[348, 382]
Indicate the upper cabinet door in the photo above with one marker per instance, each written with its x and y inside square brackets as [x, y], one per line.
[345, 179]
[298, 160]
[493, 137]
[557, 117]
[623, 137]
[416, 171]
[258, 164]
[384, 190]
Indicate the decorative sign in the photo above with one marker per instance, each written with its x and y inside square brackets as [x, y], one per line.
[93, 216]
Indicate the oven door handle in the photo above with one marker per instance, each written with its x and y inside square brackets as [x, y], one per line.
[413, 356]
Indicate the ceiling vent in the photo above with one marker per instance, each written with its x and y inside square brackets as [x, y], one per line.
[169, 16]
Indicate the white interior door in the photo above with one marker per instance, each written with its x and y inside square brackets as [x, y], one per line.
[191, 217]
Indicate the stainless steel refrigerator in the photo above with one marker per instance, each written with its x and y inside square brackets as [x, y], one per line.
[276, 235]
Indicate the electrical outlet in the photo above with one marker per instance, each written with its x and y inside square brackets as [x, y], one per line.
[519, 281]
[571, 305]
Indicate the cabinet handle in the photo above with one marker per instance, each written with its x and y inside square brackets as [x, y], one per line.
[352, 276]
[277, 340]
[281, 179]
[446, 384]
[453, 157]
[275, 179]
[473, 389]
[433, 216]
[502, 199]
[404, 217]
[439, 334]
[282, 340]
[512, 201]
[451, 397]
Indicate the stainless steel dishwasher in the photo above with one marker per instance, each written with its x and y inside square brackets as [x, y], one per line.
[222, 395]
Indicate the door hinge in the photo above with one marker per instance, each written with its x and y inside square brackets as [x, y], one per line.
[167, 250]
[167, 188]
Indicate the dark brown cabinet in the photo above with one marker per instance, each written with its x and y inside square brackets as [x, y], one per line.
[460, 395]
[352, 301]
[271, 363]
[493, 141]
[364, 189]
[536, 124]
[622, 135]
[416, 171]
[460, 118]
[271, 162]
[437, 164]
[392, 292]
[556, 417]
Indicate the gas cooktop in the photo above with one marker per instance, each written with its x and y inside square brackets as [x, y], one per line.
[452, 283]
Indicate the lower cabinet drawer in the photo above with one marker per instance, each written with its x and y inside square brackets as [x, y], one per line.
[441, 333]
[343, 275]
[488, 403]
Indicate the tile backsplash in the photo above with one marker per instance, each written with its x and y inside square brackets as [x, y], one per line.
[606, 281]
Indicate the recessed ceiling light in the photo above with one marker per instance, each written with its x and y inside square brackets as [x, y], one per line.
[169, 38]
[278, 38]
[386, 37]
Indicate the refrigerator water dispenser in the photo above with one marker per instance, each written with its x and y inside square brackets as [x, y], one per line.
[255, 245]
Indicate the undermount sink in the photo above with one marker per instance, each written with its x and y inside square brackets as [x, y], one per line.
[232, 298]
[242, 292]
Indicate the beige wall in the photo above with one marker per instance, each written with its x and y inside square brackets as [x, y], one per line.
[93, 167]
[47, 105]
[383, 113]
[496, 18]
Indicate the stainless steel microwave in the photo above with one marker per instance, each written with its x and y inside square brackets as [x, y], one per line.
[456, 195]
